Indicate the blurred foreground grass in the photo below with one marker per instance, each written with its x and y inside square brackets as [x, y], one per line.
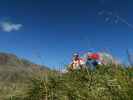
[104, 83]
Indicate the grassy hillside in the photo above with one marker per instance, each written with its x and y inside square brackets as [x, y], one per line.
[22, 80]
[104, 83]
[15, 74]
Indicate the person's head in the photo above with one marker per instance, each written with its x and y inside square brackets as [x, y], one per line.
[75, 55]
[89, 58]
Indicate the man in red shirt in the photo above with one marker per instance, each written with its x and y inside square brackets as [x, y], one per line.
[92, 60]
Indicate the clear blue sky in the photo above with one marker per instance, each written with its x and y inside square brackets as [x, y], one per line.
[55, 29]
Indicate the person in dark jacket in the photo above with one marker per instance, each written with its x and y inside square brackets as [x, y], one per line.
[92, 60]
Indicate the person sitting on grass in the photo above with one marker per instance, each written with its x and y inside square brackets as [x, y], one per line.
[77, 62]
[92, 60]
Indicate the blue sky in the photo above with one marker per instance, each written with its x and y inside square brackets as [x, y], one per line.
[55, 29]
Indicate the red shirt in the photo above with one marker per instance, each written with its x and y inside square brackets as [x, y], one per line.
[94, 56]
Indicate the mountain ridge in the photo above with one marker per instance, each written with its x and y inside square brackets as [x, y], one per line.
[16, 73]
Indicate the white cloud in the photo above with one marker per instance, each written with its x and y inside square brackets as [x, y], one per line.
[9, 27]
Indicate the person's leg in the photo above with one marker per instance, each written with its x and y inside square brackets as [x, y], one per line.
[89, 64]
[94, 64]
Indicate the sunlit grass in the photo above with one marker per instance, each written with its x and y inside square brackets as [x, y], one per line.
[103, 83]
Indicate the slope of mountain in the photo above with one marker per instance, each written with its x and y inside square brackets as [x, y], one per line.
[15, 73]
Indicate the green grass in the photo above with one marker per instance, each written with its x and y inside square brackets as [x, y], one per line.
[104, 83]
